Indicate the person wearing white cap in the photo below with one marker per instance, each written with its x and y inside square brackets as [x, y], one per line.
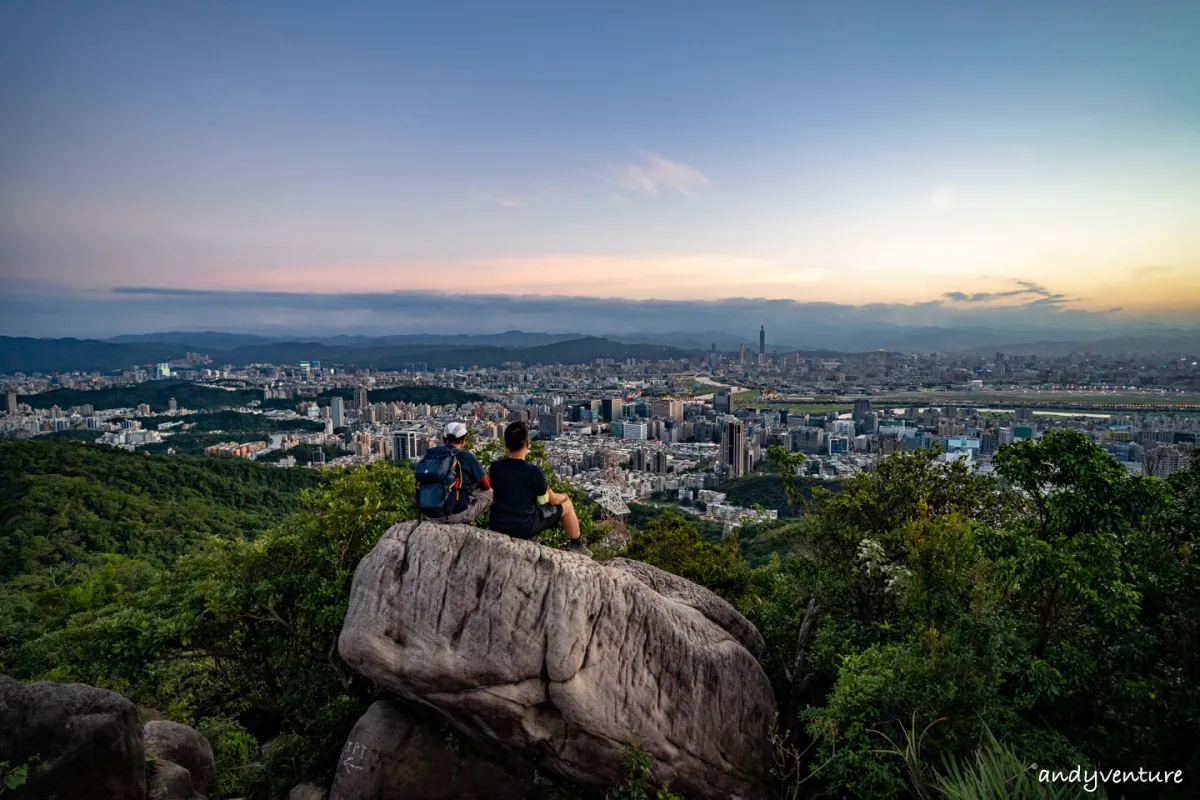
[471, 494]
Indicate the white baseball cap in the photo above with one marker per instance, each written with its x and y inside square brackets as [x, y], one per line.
[455, 430]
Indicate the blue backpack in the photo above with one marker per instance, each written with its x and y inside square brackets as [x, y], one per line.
[439, 480]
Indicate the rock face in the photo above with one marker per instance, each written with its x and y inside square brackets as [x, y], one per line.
[88, 741]
[555, 658]
[392, 756]
[186, 747]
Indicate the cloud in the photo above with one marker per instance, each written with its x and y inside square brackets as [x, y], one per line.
[945, 198]
[542, 194]
[498, 198]
[655, 174]
[1028, 288]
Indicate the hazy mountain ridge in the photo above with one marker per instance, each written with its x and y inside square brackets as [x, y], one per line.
[66, 355]
[25, 354]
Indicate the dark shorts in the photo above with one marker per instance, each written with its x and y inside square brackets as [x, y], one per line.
[546, 517]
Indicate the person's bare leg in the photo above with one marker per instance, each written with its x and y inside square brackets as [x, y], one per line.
[570, 522]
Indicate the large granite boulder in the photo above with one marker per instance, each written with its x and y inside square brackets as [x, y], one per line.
[187, 747]
[88, 741]
[390, 755]
[556, 659]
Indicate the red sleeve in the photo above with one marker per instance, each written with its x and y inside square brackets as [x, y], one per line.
[486, 483]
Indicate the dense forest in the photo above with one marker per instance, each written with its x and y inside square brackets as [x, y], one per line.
[239, 423]
[929, 631]
[433, 395]
[156, 394]
[767, 491]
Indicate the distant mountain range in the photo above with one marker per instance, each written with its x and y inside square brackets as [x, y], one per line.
[208, 341]
[22, 354]
[388, 353]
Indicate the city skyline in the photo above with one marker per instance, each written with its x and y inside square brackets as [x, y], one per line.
[1025, 162]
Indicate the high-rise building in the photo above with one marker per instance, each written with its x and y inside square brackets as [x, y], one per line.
[668, 408]
[10, 404]
[861, 406]
[361, 400]
[633, 430]
[162, 371]
[808, 440]
[762, 342]
[1165, 461]
[733, 449]
[404, 446]
[337, 412]
[713, 358]
[550, 425]
[317, 457]
[610, 409]
[722, 402]
[742, 353]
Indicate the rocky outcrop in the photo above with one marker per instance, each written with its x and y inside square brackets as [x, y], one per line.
[554, 658]
[87, 741]
[390, 755]
[173, 743]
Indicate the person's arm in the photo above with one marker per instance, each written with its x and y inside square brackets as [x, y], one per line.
[475, 471]
[541, 487]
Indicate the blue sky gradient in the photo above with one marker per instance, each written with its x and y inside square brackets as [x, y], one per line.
[850, 153]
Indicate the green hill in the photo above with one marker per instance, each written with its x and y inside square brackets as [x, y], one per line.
[62, 501]
[767, 491]
[433, 395]
[154, 393]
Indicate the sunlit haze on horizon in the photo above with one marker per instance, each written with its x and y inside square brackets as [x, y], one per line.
[1040, 158]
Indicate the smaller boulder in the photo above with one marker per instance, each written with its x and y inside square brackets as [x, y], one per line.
[83, 742]
[307, 791]
[391, 755]
[186, 747]
[172, 782]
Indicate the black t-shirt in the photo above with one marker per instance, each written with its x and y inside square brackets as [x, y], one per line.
[516, 487]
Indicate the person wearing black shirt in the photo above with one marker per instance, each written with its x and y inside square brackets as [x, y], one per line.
[523, 504]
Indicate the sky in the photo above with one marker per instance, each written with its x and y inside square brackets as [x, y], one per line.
[1019, 162]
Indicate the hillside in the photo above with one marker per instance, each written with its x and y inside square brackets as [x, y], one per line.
[62, 502]
[433, 395]
[154, 393]
[767, 491]
[23, 354]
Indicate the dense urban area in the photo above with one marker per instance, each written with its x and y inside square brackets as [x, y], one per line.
[627, 431]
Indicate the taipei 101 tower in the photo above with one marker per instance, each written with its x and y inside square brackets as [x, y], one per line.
[762, 343]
